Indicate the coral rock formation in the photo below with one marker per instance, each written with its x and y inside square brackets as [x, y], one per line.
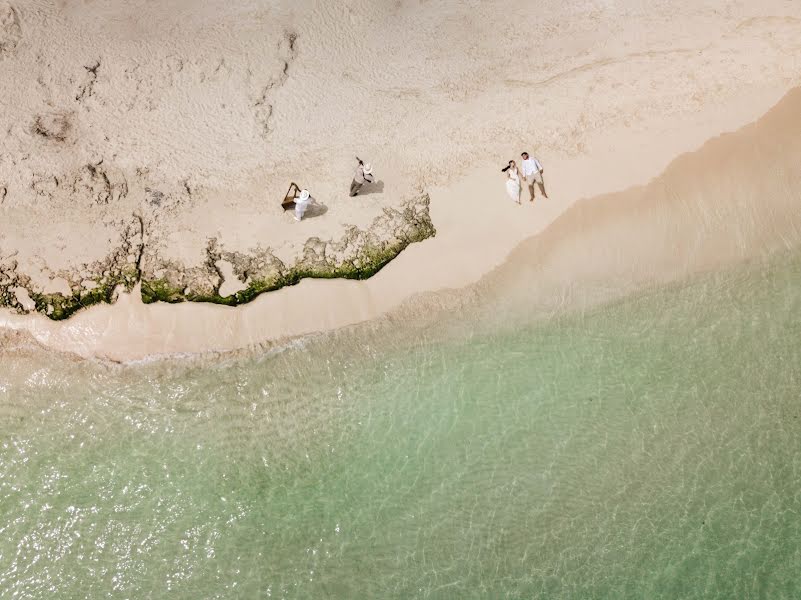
[88, 283]
[357, 254]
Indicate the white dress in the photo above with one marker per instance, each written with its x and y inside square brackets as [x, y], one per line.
[513, 185]
[301, 204]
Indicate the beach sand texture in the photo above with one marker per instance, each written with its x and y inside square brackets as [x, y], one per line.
[142, 138]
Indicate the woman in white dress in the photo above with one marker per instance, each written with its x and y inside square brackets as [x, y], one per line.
[512, 181]
[301, 204]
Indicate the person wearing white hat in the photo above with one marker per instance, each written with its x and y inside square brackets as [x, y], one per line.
[364, 174]
[301, 204]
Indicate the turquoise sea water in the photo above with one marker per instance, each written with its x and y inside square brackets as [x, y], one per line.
[648, 449]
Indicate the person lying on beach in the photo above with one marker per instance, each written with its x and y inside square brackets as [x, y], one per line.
[364, 174]
[533, 168]
[512, 181]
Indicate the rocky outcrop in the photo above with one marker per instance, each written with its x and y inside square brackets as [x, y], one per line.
[357, 254]
[88, 284]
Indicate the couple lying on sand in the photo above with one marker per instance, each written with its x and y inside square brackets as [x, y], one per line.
[532, 168]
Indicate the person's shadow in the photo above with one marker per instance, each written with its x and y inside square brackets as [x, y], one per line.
[377, 187]
[315, 209]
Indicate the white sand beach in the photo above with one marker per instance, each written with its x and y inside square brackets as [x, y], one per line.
[193, 120]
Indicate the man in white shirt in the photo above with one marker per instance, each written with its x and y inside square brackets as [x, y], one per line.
[532, 168]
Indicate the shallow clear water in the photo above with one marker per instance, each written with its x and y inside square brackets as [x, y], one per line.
[651, 449]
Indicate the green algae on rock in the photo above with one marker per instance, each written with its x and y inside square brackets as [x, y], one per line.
[89, 284]
[357, 254]
[58, 306]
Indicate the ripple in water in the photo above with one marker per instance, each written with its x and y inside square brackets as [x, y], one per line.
[646, 450]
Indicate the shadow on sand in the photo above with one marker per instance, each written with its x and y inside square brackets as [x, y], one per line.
[315, 209]
[376, 187]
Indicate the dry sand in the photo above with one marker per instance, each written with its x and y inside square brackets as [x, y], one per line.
[736, 200]
[219, 107]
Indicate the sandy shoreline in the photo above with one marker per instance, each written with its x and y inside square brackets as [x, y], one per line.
[602, 118]
[130, 330]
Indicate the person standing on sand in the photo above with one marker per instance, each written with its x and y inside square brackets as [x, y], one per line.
[512, 181]
[533, 168]
[301, 204]
[364, 174]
